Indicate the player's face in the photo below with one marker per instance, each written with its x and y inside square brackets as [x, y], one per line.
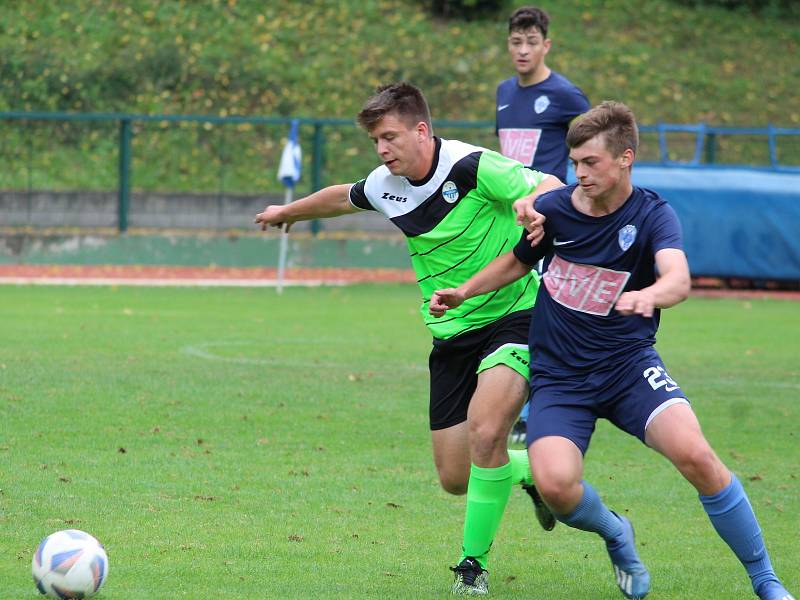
[598, 172]
[398, 146]
[528, 48]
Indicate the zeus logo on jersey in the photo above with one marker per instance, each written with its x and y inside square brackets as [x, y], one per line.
[388, 196]
[584, 288]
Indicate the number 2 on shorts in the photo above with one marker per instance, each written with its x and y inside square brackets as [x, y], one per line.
[657, 377]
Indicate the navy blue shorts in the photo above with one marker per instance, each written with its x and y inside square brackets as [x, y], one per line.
[629, 394]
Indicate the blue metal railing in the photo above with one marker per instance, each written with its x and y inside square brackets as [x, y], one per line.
[705, 143]
[706, 139]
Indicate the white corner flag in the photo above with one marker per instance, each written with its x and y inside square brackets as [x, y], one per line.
[289, 175]
[289, 169]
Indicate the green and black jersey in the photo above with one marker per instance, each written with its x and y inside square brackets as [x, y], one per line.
[456, 221]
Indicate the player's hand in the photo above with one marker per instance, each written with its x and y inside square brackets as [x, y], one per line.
[531, 220]
[640, 302]
[273, 217]
[443, 300]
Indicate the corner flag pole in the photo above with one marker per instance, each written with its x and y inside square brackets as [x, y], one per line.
[289, 175]
[284, 246]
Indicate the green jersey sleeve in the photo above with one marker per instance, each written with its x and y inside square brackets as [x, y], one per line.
[503, 179]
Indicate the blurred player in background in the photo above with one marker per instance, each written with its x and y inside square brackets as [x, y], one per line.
[458, 206]
[613, 257]
[534, 110]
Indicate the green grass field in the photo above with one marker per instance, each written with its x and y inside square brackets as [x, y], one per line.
[234, 443]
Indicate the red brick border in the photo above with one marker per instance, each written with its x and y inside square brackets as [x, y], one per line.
[170, 275]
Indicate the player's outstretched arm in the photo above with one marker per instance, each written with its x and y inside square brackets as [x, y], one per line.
[527, 216]
[328, 202]
[671, 287]
[500, 272]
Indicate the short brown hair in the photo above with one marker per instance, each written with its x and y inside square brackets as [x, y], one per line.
[613, 120]
[403, 99]
[526, 17]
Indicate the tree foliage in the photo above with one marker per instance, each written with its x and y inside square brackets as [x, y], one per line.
[468, 9]
[768, 8]
[670, 62]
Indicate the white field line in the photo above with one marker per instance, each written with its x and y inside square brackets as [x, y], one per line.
[202, 351]
[206, 351]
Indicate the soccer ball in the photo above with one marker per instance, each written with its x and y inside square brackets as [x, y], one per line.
[69, 564]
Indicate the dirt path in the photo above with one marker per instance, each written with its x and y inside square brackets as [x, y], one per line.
[257, 277]
[159, 275]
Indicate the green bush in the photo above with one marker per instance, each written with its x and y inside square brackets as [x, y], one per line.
[768, 8]
[468, 9]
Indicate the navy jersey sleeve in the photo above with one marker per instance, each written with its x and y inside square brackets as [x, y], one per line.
[576, 103]
[546, 205]
[358, 196]
[666, 229]
[531, 256]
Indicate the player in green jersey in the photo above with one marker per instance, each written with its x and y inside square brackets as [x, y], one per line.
[459, 206]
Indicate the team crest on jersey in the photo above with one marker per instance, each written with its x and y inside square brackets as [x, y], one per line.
[449, 192]
[626, 237]
[541, 104]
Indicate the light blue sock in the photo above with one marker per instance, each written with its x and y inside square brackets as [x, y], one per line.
[592, 515]
[733, 518]
[523, 414]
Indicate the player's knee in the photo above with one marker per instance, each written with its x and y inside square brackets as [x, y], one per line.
[485, 437]
[560, 495]
[560, 488]
[700, 463]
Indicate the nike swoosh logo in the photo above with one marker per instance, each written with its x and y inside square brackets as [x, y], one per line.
[502, 107]
[562, 242]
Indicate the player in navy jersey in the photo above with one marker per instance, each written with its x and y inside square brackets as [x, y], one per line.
[613, 258]
[534, 110]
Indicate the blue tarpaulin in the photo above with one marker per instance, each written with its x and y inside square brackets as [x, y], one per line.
[736, 222]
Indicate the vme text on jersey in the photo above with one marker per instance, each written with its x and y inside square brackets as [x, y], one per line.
[456, 221]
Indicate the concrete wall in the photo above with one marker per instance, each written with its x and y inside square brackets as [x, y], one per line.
[153, 210]
[736, 223]
[228, 250]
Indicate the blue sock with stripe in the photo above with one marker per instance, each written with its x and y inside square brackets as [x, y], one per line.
[592, 515]
[733, 518]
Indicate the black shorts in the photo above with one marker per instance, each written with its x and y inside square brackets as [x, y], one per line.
[455, 363]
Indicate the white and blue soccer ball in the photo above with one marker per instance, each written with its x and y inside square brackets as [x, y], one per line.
[69, 564]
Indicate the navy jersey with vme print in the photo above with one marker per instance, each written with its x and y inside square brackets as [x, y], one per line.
[588, 263]
[532, 121]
